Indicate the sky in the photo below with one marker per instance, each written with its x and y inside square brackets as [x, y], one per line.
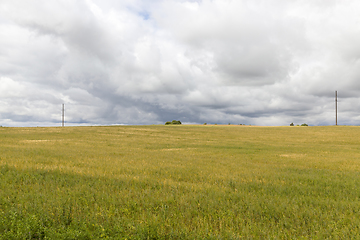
[253, 62]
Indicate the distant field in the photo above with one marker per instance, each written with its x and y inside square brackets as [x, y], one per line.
[180, 182]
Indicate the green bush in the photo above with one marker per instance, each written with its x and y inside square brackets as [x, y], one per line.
[304, 124]
[173, 122]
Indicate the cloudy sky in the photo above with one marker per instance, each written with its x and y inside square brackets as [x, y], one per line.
[258, 62]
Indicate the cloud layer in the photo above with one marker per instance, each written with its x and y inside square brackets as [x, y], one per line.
[215, 61]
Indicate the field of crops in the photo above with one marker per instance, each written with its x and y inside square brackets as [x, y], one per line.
[180, 182]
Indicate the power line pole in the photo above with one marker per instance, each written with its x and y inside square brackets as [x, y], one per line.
[336, 110]
[63, 115]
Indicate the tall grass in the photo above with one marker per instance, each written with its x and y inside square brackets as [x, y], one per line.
[179, 182]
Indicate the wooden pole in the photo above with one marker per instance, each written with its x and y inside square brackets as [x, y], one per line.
[63, 115]
[336, 110]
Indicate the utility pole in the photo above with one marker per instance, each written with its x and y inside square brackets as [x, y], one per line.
[336, 110]
[63, 115]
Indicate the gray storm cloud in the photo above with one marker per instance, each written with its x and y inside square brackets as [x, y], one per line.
[134, 62]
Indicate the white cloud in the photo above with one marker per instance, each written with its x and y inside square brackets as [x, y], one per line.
[140, 62]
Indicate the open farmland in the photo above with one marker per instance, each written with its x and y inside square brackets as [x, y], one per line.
[180, 182]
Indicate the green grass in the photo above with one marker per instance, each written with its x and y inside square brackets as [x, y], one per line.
[180, 182]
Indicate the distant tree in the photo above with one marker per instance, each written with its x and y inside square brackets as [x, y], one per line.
[173, 122]
[291, 124]
[304, 124]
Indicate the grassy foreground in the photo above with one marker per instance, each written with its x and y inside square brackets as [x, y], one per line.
[180, 182]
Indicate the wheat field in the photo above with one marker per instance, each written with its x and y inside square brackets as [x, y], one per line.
[180, 182]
